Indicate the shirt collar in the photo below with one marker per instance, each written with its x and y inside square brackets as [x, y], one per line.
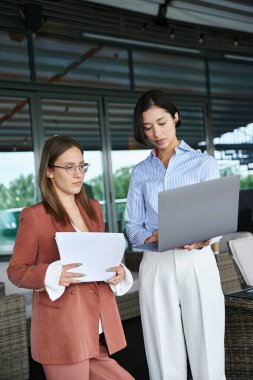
[181, 147]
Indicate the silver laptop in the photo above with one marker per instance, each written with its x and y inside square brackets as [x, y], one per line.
[198, 212]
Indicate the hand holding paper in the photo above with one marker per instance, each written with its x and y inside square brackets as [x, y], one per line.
[68, 276]
[96, 251]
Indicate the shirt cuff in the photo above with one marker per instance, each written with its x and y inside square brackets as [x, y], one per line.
[215, 239]
[52, 279]
[125, 285]
[143, 236]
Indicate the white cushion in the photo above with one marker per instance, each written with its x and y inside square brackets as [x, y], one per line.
[223, 247]
[242, 251]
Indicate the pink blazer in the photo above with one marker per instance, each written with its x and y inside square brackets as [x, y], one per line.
[64, 331]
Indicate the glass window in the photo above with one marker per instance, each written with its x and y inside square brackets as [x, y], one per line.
[17, 169]
[192, 129]
[169, 71]
[126, 153]
[231, 78]
[80, 64]
[79, 119]
[233, 142]
[14, 64]
[233, 131]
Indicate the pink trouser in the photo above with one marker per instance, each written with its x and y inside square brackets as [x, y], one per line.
[99, 368]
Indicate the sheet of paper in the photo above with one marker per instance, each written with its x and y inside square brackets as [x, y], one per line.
[96, 251]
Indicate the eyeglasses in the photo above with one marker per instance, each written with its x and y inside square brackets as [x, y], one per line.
[71, 168]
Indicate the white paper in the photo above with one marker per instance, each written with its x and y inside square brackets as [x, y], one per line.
[96, 251]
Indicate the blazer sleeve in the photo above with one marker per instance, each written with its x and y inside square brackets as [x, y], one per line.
[24, 271]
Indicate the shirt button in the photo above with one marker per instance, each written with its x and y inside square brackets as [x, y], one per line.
[73, 292]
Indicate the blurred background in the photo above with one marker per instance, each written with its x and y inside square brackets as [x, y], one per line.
[77, 68]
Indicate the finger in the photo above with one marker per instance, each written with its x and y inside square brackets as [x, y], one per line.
[114, 282]
[70, 266]
[151, 239]
[118, 270]
[189, 247]
[63, 283]
[72, 281]
[120, 273]
[113, 269]
[69, 282]
[117, 278]
[73, 275]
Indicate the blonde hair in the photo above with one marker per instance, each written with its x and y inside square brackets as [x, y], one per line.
[53, 148]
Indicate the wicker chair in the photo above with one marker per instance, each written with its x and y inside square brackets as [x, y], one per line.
[239, 338]
[14, 358]
[239, 313]
[230, 277]
[242, 253]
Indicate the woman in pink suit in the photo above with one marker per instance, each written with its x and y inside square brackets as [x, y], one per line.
[67, 315]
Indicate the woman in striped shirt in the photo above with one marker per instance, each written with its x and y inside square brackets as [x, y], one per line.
[182, 304]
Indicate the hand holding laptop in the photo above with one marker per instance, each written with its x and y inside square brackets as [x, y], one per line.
[189, 216]
[198, 245]
[153, 239]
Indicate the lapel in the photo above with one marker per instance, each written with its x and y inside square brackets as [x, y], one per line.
[63, 228]
[92, 226]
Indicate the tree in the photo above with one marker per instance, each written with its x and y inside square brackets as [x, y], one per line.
[4, 197]
[20, 193]
[224, 172]
[247, 182]
[121, 183]
[97, 187]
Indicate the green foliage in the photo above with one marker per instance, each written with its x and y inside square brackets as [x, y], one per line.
[226, 172]
[97, 187]
[20, 193]
[4, 195]
[247, 182]
[121, 183]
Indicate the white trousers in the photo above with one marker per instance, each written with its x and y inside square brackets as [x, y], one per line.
[182, 310]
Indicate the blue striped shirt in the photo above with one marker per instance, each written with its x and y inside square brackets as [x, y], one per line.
[187, 166]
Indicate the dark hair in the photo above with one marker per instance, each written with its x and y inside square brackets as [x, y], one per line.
[148, 99]
[53, 148]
